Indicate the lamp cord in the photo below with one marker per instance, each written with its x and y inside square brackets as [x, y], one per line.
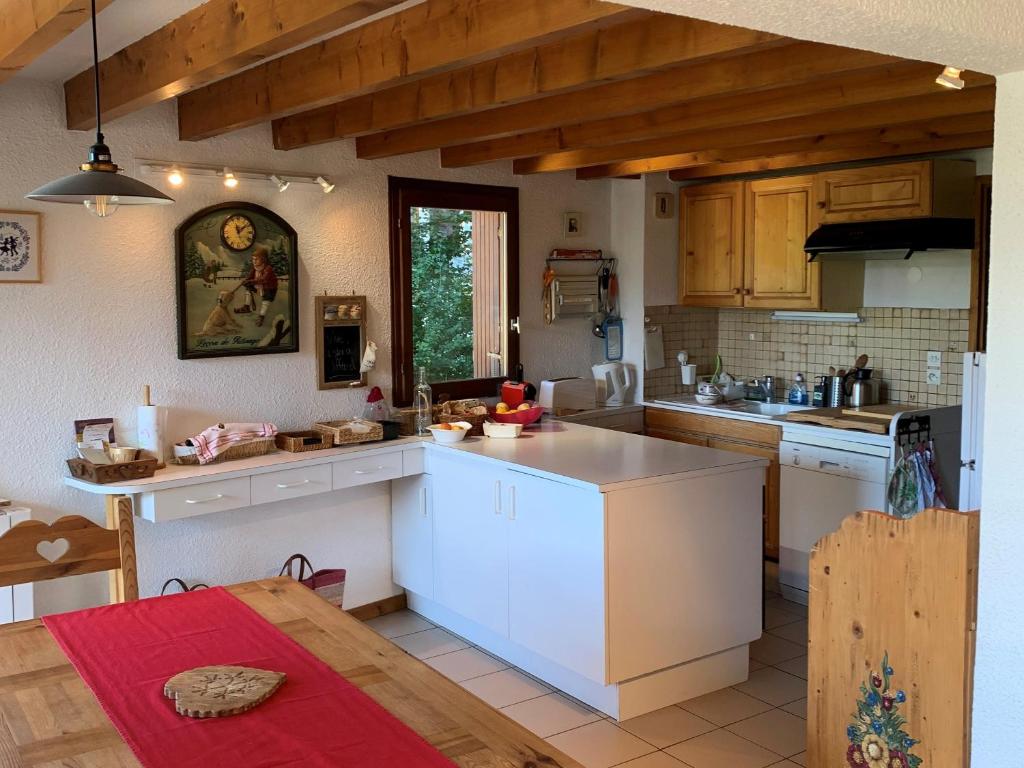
[96, 75]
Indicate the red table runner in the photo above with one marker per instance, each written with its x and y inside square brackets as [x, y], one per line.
[125, 653]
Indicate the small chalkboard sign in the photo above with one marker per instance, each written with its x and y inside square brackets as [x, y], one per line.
[341, 339]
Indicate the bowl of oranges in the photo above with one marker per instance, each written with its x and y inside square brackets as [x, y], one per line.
[526, 413]
[450, 433]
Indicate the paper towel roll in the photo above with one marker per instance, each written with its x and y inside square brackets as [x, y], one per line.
[149, 426]
[654, 348]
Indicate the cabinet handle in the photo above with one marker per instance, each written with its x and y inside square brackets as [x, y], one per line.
[737, 291]
[821, 203]
[283, 486]
[423, 501]
[747, 291]
[218, 497]
[511, 502]
[367, 471]
[497, 497]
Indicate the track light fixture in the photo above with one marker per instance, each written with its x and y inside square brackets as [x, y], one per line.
[282, 185]
[175, 175]
[950, 78]
[325, 184]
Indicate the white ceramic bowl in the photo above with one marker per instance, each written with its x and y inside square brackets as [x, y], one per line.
[708, 399]
[455, 435]
[494, 429]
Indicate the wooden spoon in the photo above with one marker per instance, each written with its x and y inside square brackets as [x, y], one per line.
[861, 362]
[831, 370]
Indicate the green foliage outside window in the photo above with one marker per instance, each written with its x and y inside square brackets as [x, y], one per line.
[442, 292]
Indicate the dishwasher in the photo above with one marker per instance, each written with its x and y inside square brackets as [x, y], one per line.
[820, 486]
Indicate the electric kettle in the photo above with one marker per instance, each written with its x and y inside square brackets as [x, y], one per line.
[614, 383]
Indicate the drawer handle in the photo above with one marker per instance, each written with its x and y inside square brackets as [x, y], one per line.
[284, 486]
[367, 471]
[218, 497]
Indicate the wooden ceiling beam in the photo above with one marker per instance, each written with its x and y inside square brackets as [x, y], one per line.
[424, 39]
[649, 155]
[29, 28]
[210, 41]
[793, 64]
[897, 81]
[600, 55]
[836, 156]
[917, 133]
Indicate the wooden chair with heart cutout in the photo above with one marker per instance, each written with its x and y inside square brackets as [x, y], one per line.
[34, 551]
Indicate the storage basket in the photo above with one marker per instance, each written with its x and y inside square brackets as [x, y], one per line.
[186, 454]
[328, 583]
[350, 431]
[298, 442]
[458, 410]
[407, 419]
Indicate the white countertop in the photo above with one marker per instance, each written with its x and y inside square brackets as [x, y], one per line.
[592, 457]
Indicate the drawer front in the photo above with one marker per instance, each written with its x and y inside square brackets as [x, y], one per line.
[367, 469]
[713, 426]
[291, 483]
[201, 499]
[622, 422]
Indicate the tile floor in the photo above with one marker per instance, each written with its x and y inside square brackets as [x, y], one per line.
[758, 724]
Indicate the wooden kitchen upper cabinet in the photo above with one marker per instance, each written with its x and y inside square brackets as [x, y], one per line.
[711, 245]
[896, 191]
[779, 215]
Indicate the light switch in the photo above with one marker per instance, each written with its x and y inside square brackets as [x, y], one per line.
[934, 377]
[934, 359]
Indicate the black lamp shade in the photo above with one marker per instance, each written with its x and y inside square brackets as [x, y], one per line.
[86, 185]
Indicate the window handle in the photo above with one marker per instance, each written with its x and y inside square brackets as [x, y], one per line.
[513, 325]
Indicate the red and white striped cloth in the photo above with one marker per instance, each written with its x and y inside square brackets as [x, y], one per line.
[212, 442]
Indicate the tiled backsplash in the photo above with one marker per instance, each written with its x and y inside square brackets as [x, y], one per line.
[751, 344]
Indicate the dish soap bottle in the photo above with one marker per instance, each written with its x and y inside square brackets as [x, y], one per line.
[798, 392]
[423, 398]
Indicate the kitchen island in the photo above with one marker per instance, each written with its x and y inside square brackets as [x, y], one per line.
[622, 569]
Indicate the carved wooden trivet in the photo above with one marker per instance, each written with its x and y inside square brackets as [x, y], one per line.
[220, 691]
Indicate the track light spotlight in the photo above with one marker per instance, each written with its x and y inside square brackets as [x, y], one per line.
[229, 178]
[950, 78]
[327, 186]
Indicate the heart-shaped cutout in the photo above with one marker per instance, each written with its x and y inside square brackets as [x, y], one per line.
[53, 550]
[220, 691]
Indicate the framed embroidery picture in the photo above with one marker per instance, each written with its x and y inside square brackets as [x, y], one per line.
[21, 247]
[237, 280]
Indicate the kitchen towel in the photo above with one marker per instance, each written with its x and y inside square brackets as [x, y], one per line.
[126, 652]
[213, 441]
[654, 348]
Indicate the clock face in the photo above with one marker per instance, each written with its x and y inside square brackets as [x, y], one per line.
[238, 232]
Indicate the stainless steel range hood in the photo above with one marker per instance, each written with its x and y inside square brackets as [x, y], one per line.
[892, 239]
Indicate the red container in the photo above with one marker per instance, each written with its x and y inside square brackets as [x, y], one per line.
[519, 417]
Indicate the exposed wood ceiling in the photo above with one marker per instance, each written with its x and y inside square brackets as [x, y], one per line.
[29, 28]
[551, 85]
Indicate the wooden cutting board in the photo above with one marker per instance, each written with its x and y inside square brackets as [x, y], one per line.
[880, 412]
[836, 418]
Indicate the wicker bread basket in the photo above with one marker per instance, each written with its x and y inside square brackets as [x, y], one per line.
[186, 454]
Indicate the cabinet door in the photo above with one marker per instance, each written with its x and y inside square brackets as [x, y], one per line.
[770, 509]
[897, 191]
[780, 214]
[711, 245]
[690, 438]
[556, 597]
[470, 540]
[412, 534]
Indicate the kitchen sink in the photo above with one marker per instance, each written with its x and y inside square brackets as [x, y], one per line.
[767, 409]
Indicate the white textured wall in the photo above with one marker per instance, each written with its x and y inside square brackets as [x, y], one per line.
[999, 666]
[102, 324]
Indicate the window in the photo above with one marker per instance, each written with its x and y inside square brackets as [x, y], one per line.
[454, 286]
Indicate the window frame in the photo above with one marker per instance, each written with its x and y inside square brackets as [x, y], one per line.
[403, 195]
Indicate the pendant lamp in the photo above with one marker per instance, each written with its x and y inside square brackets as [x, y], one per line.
[98, 185]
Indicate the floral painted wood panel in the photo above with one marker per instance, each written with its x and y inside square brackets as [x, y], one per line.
[877, 735]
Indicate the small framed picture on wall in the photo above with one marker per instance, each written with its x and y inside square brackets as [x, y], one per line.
[572, 224]
[21, 247]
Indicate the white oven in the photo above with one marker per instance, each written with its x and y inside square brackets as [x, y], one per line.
[820, 486]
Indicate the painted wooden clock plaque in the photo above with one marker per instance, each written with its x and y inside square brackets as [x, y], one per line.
[237, 275]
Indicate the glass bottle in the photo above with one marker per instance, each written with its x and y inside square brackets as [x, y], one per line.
[423, 398]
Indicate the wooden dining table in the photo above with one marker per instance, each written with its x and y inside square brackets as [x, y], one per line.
[49, 718]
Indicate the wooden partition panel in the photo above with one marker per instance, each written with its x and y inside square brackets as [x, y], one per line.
[891, 641]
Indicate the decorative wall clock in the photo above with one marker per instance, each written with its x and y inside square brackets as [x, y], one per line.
[237, 276]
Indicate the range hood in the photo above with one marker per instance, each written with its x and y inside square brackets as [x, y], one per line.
[892, 239]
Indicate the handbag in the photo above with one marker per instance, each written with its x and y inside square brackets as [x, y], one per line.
[328, 583]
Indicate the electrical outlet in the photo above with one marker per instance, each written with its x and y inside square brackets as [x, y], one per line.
[934, 359]
[933, 377]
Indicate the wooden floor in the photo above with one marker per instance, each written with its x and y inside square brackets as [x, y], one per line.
[50, 718]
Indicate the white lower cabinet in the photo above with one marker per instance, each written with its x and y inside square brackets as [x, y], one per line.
[470, 540]
[556, 567]
[412, 534]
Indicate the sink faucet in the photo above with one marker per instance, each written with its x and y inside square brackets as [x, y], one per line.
[767, 385]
